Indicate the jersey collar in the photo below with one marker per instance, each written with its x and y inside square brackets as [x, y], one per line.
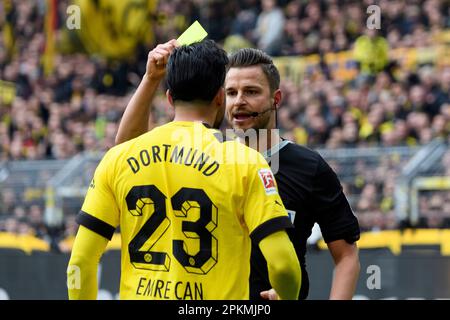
[190, 123]
[275, 149]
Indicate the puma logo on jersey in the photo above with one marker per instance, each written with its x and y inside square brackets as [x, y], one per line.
[268, 181]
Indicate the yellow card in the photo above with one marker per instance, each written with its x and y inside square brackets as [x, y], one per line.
[194, 33]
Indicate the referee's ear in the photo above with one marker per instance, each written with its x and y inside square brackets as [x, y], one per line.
[169, 98]
[277, 97]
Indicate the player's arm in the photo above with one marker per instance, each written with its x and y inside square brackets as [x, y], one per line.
[282, 264]
[135, 120]
[346, 271]
[82, 269]
[268, 228]
[98, 218]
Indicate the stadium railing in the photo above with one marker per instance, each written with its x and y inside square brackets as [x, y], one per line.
[61, 185]
[26, 180]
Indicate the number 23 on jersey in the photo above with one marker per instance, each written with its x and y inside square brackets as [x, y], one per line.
[183, 203]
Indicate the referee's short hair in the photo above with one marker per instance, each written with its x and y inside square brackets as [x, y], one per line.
[196, 72]
[248, 57]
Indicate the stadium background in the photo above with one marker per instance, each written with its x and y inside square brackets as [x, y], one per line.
[378, 111]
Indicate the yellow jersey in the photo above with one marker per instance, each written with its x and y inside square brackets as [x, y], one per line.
[188, 206]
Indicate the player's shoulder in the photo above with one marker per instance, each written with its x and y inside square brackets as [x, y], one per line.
[237, 156]
[127, 148]
[298, 159]
[122, 147]
[242, 152]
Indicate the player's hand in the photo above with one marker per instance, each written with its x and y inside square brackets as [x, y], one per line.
[157, 60]
[270, 295]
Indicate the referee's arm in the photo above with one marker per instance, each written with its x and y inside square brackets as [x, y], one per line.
[346, 271]
[282, 264]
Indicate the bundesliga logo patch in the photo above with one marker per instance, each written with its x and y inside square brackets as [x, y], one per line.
[268, 181]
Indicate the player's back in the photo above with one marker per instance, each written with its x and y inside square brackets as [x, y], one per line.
[187, 204]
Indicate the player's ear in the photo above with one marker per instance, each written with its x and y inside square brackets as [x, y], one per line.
[219, 99]
[277, 97]
[169, 98]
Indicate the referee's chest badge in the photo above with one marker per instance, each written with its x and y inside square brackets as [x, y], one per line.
[268, 181]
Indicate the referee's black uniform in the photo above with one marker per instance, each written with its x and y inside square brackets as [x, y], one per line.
[311, 192]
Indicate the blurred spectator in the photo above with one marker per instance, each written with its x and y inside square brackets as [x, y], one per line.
[245, 20]
[36, 221]
[235, 42]
[11, 225]
[269, 28]
[371, 52]
[68, 236]
[8, 202]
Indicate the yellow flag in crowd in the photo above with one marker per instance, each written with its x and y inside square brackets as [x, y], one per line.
[113, 28]
[7, 92]
[51, 17]
[7, 29]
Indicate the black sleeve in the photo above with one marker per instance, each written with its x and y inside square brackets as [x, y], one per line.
[269, 227]
[332, 210]
[96, 225]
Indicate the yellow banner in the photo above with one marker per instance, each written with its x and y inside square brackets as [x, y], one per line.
[113, 28]
[395, 240]
[342, 65]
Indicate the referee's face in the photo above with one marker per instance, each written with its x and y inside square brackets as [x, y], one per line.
[248, 99]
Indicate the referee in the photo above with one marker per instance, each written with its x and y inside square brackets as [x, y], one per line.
[310, 190]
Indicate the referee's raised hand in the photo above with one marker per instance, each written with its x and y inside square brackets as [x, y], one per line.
[157, 60]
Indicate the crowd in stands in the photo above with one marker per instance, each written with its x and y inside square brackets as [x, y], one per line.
[78, 106]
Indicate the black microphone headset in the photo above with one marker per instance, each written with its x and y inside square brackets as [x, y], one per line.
[257, 114]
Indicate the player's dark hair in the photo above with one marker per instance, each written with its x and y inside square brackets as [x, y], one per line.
[248, 57]
[196, 71]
